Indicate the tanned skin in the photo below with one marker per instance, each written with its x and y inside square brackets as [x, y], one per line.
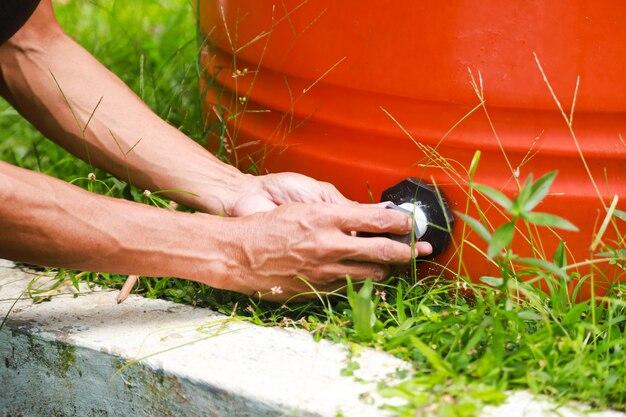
[281, 227]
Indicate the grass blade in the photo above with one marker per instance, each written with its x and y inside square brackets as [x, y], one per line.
[560, 258]
[605, 223]
[436, 361]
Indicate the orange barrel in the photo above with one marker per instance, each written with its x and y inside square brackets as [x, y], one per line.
[363, 93]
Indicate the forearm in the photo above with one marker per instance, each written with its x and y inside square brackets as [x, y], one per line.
[78, 103]
[49, 222]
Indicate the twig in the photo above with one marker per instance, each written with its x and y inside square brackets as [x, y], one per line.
[127, 288]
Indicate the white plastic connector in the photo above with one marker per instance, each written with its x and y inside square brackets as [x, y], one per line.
[419, 218]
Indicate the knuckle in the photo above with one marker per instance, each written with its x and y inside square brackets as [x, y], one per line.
[325, 211]
[327, 246]
[385, 252]
[346, 217]
[397, 218]
[330, 187]
[379, 273]
[333, 248]
[317, 215]
[381, 219]
[320, 245]
[392, 252]
[405, 253]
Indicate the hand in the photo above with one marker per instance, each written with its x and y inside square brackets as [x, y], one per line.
[274, 254]
[266, 192]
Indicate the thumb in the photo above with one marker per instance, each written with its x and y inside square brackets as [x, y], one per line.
[248, 205]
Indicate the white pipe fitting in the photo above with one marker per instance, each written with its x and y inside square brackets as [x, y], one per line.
[420, 221]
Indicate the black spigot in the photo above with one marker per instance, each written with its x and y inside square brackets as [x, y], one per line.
[432, 219]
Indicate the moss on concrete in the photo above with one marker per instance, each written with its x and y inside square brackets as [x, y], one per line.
[55, 356]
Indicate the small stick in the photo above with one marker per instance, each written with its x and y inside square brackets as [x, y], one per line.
[127, 288]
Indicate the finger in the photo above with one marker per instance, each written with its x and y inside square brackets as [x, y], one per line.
[374, 219]
[423, 248]
[378, 250]
[357, 271]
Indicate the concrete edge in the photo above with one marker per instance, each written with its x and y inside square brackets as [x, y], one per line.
[86, 355]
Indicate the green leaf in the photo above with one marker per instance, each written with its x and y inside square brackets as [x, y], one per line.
[560, 258]
[546, 266]
[477, 335]
[127, 193]
[400, 310]
[617, 254]
[539, 190]
[574, 314]
[550, 220]
[436, 361]
[363, 316]
[429, 314]
[620, 214]
[529, 315]
[495, 195]
[501, 238]
[497, 341]
[489, 395]
[486, 364]
[475, 225]
[524, 193]
[492, 281]
[350, 292]
[474, 165]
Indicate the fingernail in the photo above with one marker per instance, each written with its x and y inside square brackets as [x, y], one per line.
[423, 248]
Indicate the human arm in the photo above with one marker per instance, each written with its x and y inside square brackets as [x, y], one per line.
[75, 101]
[48, 222]
[253, 253]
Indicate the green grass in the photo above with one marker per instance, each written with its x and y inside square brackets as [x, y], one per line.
[468, 342]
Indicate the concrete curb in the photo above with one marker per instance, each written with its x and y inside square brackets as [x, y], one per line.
[88, 356]
[66, 353]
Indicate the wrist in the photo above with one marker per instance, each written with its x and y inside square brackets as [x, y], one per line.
[208, 185]
[219, 192]
[230, 190]
[211, 251]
